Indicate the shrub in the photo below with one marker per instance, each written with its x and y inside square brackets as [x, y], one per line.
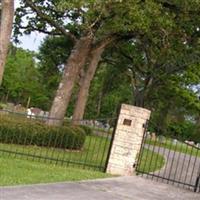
[26, 132]
[2, 105]
[87, 129]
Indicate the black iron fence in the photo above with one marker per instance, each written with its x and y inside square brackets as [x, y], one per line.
[26, 137]
[170, 160]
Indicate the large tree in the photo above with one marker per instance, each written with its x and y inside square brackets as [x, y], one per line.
[93, 25]
[124, 71]
[6, 21]
[90, 25]
[160, 40]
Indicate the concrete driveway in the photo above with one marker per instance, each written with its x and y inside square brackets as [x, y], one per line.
[121, 188]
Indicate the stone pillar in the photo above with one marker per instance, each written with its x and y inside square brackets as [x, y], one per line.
[127, 139]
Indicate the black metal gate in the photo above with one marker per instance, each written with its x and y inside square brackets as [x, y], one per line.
[170, 160]
[92, 155]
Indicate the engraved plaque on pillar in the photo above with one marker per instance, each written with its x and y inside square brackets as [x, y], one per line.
[127, 122]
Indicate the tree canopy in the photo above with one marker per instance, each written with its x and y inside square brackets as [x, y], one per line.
[22, 79]
[144, 52]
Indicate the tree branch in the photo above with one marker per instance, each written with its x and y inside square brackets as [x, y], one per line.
[104, 42]
[49, 20]
[43, 31]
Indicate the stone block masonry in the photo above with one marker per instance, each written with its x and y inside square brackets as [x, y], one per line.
[127, 139]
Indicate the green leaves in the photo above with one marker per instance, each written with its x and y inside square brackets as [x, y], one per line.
[100, 17]
[22, 78]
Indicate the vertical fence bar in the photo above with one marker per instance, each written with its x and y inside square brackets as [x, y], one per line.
[197, 183]
[31, 152]
[95, 148]
[71, 149]
[18, 144]
[112, 139]
[62, 160]
[141, 151]
[60, 149]
[98, 149]
[40, 149]
[11, 145]
[156, 160]
[183, 165]
[174, 155]
[163, 153]
[106, 147]
[178, 162]
[54, 146]
[168, 155]
[185, 179]
[87, 153]
[151, 159]
[25, 143]
[5, 141]
[83, 150]
[147, 153]
[196, 156]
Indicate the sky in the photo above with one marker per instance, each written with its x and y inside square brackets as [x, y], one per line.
[32, 41]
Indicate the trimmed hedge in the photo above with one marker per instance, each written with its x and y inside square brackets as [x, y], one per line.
[87, 129]
[26, 132]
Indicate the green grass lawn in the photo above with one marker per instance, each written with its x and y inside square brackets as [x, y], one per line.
[22, 169]
[179, 147]
[19, 172]
[93, 154]
[14, 171]
[150, 161]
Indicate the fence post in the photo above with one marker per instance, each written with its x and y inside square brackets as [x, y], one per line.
[128, 139]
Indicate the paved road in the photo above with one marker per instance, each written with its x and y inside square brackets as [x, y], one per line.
[121, 188]
[178, 166]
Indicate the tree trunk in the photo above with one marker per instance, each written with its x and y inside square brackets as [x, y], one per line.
[99, 103]
[85, 85]
[6, 21]
[139, 98]
[72, 68]
[96, 53]
[162, 122]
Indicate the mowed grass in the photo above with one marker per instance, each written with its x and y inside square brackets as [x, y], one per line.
[19, 172]
[32, 164]
[179, 147]
[92, 155]
[14, 171]
[150, 161]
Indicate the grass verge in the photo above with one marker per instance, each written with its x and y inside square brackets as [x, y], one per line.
[20, 172]
[150, 161]
[93, 154]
